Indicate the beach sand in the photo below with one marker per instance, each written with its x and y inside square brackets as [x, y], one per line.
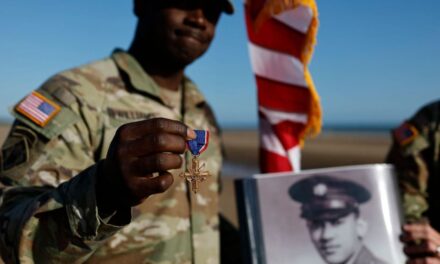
[4, 129]
[327, 150]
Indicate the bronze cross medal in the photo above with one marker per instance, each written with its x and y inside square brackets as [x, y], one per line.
[195, 175]
[196, 146]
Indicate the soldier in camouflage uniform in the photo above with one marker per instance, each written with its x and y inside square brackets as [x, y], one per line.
[416, 155]
[74, 185]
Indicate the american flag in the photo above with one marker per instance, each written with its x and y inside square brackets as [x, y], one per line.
[38, 108]
[282, 34]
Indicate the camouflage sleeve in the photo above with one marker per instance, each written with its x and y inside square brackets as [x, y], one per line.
[48, 211]
[410, 140]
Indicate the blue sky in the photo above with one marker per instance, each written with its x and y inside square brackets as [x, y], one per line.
[376, 61]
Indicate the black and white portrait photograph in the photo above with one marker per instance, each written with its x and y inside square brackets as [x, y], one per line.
[345, 215]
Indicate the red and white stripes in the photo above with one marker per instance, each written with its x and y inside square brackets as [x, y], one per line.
[284, 97]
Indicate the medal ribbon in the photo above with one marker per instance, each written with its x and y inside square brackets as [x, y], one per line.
[200, 143]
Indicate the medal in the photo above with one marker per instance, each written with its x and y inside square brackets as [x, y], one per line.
[195, 173]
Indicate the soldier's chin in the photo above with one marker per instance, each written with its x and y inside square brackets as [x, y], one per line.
[334, 259]
[186, 56]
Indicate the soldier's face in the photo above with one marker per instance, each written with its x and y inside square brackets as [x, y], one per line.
[336, 240]
[182, 30]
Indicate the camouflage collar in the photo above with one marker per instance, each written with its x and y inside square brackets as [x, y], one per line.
[141, 81]
[192, 97]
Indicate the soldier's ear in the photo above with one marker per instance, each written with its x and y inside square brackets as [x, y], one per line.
[361, 227]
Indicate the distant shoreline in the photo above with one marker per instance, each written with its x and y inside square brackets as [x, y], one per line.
[331, 129]
[335, 127]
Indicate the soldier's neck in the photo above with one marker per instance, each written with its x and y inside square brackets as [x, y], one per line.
[168, 82]
[353, 258]
[162, 72]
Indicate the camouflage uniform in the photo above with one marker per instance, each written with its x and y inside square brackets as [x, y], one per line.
[48, 210]
[415, 153]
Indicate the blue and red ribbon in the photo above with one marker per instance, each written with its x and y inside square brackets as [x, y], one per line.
[200, 143]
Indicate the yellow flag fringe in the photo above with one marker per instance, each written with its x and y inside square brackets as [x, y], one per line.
[274, 7]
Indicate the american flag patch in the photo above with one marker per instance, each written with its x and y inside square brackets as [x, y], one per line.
[38, 108]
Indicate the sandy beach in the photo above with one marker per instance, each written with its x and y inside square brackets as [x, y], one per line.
[327, 150]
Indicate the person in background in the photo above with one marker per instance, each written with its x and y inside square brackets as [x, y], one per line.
[415, 153]
[88, 171]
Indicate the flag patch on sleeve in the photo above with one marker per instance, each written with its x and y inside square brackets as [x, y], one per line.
[38, 108]
[405, 134]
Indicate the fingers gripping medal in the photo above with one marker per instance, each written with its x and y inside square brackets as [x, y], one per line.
[195, 174]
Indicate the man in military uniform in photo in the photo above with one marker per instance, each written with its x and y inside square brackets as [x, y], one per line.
[330, 207]
[88, 171]
[415, 153]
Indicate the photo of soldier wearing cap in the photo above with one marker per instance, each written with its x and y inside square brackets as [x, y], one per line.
[331, 208]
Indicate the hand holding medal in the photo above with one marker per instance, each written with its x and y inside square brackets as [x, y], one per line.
[195, 174]
[139, 161]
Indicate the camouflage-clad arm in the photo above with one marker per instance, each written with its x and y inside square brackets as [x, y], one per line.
[412, 176]
[48, 210]
[52, 225]
[410, 141]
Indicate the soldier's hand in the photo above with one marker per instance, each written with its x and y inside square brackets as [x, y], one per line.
[138, 161]
[422, 243]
